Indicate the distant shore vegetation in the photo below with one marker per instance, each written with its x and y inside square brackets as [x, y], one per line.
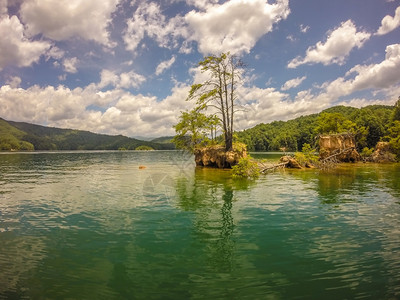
[144, 148]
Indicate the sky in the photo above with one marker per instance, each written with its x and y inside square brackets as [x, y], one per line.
[126, 66]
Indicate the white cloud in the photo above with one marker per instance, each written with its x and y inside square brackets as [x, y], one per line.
[202, 4]
[336, 48]
[234, 26]
[379, 76]
[304, 28]
[389, 23]
[293, 83]
[149, 20]
[124, 80]
[291, 38]
[14, 81]
[55, 53]
[70, 65]
[164, 65]
[62, 77]
[15, 47]
[66, 19]
[385, 75]
[125, 113]
[3, 7]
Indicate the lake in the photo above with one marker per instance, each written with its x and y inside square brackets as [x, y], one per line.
[92, 225]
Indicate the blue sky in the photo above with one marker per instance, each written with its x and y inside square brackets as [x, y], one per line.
[126, 66]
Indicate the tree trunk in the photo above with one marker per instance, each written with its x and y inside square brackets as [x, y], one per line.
[228, 141]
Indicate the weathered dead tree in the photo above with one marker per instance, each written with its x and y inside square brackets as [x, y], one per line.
[286, 162]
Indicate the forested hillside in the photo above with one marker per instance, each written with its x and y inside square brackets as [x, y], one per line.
[25, 136]
[369, 124]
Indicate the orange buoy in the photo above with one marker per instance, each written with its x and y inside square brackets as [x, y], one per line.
[142, 167]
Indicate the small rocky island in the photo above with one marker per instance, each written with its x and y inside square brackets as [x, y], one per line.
[217, 157]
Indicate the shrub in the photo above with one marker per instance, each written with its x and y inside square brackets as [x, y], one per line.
[144, 147]
[246, 168]
[306, 156]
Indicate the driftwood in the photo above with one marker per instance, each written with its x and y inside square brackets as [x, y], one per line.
[286, 162]
[265, 169]
[330, 157]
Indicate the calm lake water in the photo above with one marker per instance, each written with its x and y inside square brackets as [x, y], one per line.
[92, 225]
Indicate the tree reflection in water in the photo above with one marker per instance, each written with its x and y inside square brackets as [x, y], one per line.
[210, 194]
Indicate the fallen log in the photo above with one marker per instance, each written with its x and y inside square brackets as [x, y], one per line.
[273, 167]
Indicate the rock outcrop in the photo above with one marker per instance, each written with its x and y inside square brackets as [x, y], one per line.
[344, 145]
[217, 157]
[382, 153]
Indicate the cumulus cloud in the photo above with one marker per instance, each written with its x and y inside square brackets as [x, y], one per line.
[15, 47]
[293, 83]
[337, 47]
[378, 76]
[202, 4]
[164, 65]
[70, 65]
[124, 80]
[235, 25]
[124, 112]
[149, 20]
[14, 81]
[389, 23]
[55, 53]
[3, 7]
[384, 77]
[66, 19]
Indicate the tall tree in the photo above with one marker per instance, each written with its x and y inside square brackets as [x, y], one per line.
[219, 91]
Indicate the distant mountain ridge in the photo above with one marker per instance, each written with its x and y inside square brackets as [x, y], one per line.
[26, 136]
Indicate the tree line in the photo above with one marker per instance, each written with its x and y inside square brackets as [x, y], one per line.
[369, 125]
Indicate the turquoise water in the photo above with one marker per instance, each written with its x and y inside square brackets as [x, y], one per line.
[92, 225]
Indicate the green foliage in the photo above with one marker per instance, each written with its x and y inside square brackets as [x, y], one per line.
[307, 155]
[366, 152]
[192, 130]
[396, 112]
[394, 138]
[328, 123]
[144, 147]
[368, 124]
[239, 147]
[246, 168]
[219, 91]
[11, 138]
